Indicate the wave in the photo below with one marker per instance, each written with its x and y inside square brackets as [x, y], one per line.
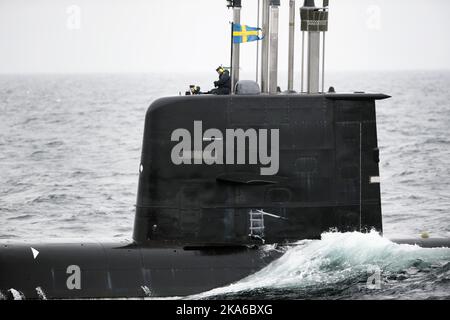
[336, 265]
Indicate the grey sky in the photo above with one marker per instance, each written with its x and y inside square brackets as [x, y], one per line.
[176, 35]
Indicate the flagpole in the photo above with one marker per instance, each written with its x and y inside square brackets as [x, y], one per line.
[231, 58]
[235, 67]
[257, 43]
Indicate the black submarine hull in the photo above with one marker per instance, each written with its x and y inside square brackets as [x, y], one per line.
[94, 270]
[122, 270]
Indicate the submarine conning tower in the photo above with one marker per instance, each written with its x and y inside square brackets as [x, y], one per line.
[260, 165]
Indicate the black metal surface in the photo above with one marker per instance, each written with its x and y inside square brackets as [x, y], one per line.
[234, 3]
[328, 153]
[313, 18]
[124, 270]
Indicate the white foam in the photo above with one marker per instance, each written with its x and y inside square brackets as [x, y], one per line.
[16, 294]
[335, 258]
[41, 293]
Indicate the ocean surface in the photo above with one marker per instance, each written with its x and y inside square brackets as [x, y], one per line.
[69, 159]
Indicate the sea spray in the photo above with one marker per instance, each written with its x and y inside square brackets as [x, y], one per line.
[336, 263]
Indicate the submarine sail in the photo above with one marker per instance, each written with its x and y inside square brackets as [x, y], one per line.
[326, 154]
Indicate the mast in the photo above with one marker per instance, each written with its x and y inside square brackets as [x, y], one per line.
[291, 45]
[314, 25]
[265, 48]
[314, 21]
[258, 10]
[273, 46]
[235, 47]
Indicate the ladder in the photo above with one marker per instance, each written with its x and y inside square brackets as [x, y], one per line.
[257, 224]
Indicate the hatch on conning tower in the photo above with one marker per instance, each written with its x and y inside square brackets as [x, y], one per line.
[247, 87]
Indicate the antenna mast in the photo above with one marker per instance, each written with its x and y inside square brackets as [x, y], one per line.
[314, 21]
[235, 48]
[291, 45]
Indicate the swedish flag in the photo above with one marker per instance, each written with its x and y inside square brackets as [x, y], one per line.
[242, 33]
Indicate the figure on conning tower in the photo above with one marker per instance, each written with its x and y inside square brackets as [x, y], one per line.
[223, 85]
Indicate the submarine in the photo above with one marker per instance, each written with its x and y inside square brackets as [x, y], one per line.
[225, 180]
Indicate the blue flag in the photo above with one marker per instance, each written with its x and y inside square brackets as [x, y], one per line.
[242, 33]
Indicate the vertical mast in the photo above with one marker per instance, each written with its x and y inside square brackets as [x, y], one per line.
[265, 48]
[312, 85]
[235, 55]
[273, 46]
[257, 44]
[314, 22]
[291, 45]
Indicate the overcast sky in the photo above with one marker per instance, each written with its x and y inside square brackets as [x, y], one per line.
[175, 35]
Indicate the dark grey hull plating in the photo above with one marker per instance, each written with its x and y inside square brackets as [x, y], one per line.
[123, 270]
